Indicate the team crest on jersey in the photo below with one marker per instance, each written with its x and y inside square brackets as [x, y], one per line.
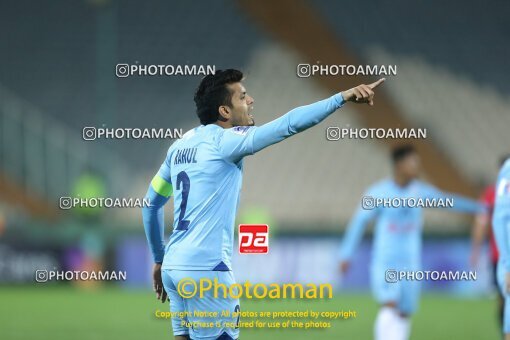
[241, 130]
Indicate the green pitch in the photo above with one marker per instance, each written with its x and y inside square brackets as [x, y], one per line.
[57, 312]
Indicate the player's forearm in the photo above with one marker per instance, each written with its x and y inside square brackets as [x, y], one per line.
[304, 117]
[295, 121]
[463, 204]
[479, 230]
[153, 222]
[352, 238]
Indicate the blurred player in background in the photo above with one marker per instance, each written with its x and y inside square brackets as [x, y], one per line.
[483, 227]
[397, 241]
[204, 170]
[501, 225]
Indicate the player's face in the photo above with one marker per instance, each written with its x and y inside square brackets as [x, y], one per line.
[410, 166]
[241, 107]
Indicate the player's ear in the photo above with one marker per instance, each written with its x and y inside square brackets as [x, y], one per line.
[224, 113]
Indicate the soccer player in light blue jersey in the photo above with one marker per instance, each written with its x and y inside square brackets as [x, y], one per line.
[203, 171]
[397, 239]
[501, 229]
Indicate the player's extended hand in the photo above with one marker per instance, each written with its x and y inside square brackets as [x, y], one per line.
[362, 93]
[344, 266]
[158, 283]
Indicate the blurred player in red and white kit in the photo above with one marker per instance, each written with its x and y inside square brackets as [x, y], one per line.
[482, 228]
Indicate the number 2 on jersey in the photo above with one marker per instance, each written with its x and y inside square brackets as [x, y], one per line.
[183, 179]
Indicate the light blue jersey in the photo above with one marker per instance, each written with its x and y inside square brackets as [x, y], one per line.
[205, 170]
[501, 229]
[397, 233]
[397, 237]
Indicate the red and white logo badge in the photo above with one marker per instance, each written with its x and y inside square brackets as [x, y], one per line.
[253, 238]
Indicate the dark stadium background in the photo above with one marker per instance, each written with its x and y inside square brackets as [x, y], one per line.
[57, 76]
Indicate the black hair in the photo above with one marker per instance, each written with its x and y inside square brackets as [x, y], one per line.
[401, 152]
[213, 93]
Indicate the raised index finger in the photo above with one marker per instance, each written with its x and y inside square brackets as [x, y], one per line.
[377, 83]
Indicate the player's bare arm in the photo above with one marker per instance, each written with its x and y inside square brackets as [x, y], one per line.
[478, 235]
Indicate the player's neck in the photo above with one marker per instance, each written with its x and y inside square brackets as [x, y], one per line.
[225, 125]
[401, 181]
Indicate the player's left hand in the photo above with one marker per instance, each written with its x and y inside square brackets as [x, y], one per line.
[158, 283]
[474, 257]
[362, 93]
[344, 266]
